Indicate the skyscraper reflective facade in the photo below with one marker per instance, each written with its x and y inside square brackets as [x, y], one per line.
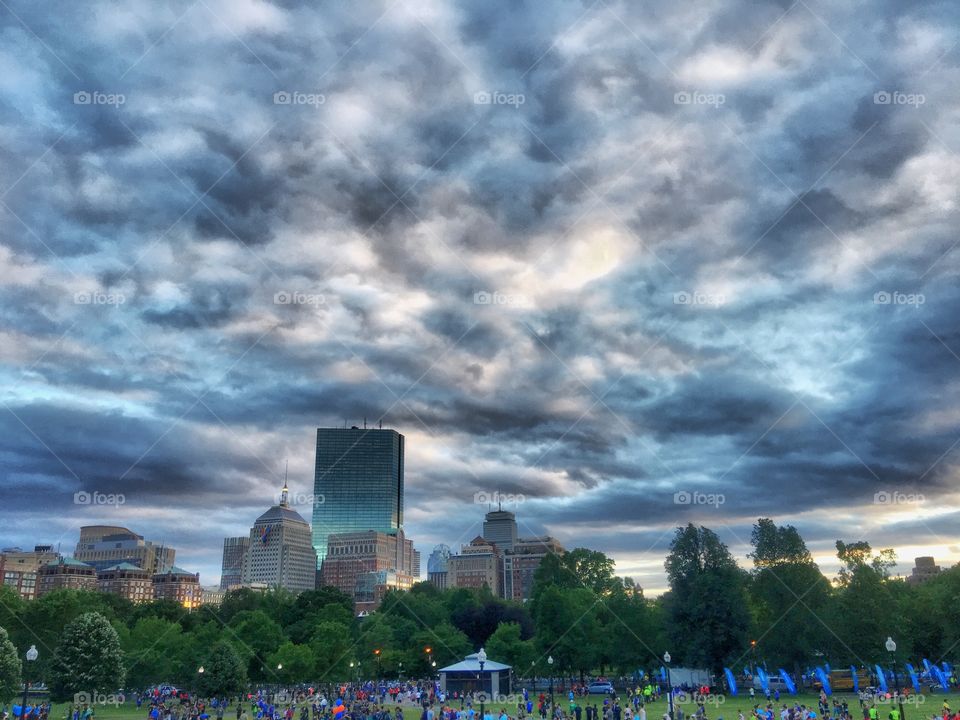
[358, 483]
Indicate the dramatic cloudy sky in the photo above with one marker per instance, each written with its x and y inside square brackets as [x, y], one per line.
[591, 254]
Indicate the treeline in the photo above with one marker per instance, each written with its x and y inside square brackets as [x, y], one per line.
[582, 615]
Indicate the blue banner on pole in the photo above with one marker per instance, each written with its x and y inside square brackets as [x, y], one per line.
[824, 680]
[881, 678]
[788, 681]
[731, 680]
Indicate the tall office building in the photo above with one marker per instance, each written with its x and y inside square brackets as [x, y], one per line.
[280, 552]
[234, 553]
[104, 546]
[358, 483]
[500, 527]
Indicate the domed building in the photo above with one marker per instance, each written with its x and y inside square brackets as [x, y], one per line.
[280, 552]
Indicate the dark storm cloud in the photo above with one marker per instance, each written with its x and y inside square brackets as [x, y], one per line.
[305, 216]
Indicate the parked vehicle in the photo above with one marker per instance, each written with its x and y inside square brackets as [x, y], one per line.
[600, 687]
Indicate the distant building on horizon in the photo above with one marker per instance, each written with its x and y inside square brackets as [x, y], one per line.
[520, 565]
[212, 595]
[103, 546]
[924, 568]
[66, 574]
[500, 528]
[280, 550]
[358, 483]
[521, 556]
[19, 569]
[127, 581]
[354, 560]
[234, 553]
[437, 565]
[180, 586]
[479, 564]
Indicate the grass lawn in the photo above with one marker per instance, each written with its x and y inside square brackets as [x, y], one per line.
[727, 708]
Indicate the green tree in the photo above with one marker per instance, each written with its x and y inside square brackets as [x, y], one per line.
[256, 635]
[707, 611]
[153, 651]
[332, 651]
[568, 628]
[292, 663]
[223, 671]
[864, 609]
[791, 596]
[10, 667]
[505, 645]
[89, 658]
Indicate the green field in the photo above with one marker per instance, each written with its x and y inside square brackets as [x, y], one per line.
[720, 708]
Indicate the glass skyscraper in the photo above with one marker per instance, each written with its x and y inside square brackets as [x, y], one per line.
[358, 483]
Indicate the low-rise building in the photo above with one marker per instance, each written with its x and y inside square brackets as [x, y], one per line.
[520, 565]
[127, 581]
[479, 564]
[19, 569]
[352, 556]
[180, 586]
[66, 574]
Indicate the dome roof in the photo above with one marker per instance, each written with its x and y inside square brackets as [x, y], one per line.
[279, 512]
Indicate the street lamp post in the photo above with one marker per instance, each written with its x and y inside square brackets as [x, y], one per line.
[429, 651]
[32, 655]
[666, 661]
[891, 646]
[482, 659]
[550, 663]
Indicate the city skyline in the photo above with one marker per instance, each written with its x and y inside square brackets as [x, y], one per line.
[630, 265]
[645, 567]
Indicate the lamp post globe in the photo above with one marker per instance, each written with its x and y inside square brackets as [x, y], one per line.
[666, 662]
[550, 663]
[31, 656]
[891, 646]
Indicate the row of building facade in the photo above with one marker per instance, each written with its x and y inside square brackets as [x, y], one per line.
[498, 558]
[42, 571]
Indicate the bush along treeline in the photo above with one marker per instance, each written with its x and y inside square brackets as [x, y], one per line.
[589, 620]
